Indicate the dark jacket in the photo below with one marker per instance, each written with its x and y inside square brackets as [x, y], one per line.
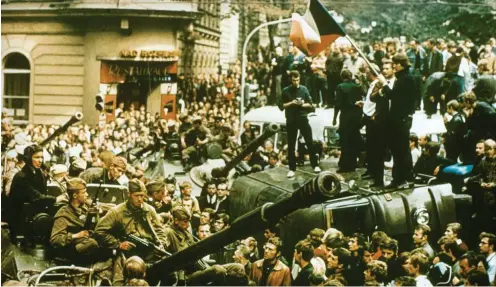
[28, 186]
[485, 88]
[203, 201]
[427, 164]
[347, 93]
[302, 278]
[482, 122]
[381, 106]
[433, 63]
[289, 94]
[223, 206]
[402, 95]
[456, 130]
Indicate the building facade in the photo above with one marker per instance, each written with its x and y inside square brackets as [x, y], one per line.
[56, 57]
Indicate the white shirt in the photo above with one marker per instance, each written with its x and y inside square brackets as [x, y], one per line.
[317, 127]
[422, 281]
[491, 271]
[415, 155]
[369, 106]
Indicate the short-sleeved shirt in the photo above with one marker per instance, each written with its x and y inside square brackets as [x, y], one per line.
[291, 93]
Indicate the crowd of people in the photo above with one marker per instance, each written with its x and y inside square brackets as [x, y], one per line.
[403, 78]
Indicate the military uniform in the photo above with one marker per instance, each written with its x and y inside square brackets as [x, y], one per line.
[179, 239]
[124, 220]
[70, 220]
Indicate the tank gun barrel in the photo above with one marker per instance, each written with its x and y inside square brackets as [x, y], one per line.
[269, 131]
[74, 119]
[323, 187]
[144, 150]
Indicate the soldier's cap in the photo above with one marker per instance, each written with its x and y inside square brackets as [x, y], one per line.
[218, 118]
[226, 126]
[155, 186]
[75, 184]
[79, 163]
[136, 185]
[58, 169]
[180, 212]
[171, 123]
[119, 161]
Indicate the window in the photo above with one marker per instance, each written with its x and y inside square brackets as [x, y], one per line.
[16, 83]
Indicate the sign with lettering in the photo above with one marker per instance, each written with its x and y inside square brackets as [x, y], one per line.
[124, 71]
[149, 53]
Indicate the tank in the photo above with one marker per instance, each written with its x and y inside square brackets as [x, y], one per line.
[356, 209]
[317, 190]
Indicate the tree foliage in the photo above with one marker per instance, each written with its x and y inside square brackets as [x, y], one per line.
[453, 19]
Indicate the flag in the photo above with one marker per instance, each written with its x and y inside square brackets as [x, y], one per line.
[315, 30]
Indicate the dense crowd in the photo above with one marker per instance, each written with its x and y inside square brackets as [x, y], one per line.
[459, 77]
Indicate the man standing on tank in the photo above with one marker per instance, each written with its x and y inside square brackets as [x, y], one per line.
[297, 103]
[402, 98]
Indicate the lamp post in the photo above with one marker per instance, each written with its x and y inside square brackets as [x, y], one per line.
[243, 66]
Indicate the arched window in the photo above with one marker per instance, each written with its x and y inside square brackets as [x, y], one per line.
[16, 76]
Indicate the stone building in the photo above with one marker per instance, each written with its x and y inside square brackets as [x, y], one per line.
[57, 56]
[201, 43]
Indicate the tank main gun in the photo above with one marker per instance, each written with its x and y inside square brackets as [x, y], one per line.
[78, 116]
[269, 131]
[317, 190]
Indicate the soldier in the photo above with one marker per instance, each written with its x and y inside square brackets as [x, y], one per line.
[178, 233]
[132, 217]
[159, 199]
[110, 175]
[68, 232]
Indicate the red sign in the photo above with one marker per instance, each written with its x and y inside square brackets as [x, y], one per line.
[117, 71]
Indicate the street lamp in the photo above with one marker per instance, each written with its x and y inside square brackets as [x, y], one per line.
[243, 66]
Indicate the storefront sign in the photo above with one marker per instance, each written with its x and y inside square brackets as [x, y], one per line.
[149, 53]
[122, 71]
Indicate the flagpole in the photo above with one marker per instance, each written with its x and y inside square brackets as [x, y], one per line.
[243, 66]
[363, 55]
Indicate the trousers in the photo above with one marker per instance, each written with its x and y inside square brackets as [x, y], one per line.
[302, 125]
[399, 143]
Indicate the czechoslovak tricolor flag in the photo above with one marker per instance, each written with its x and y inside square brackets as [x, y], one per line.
[315, 30]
